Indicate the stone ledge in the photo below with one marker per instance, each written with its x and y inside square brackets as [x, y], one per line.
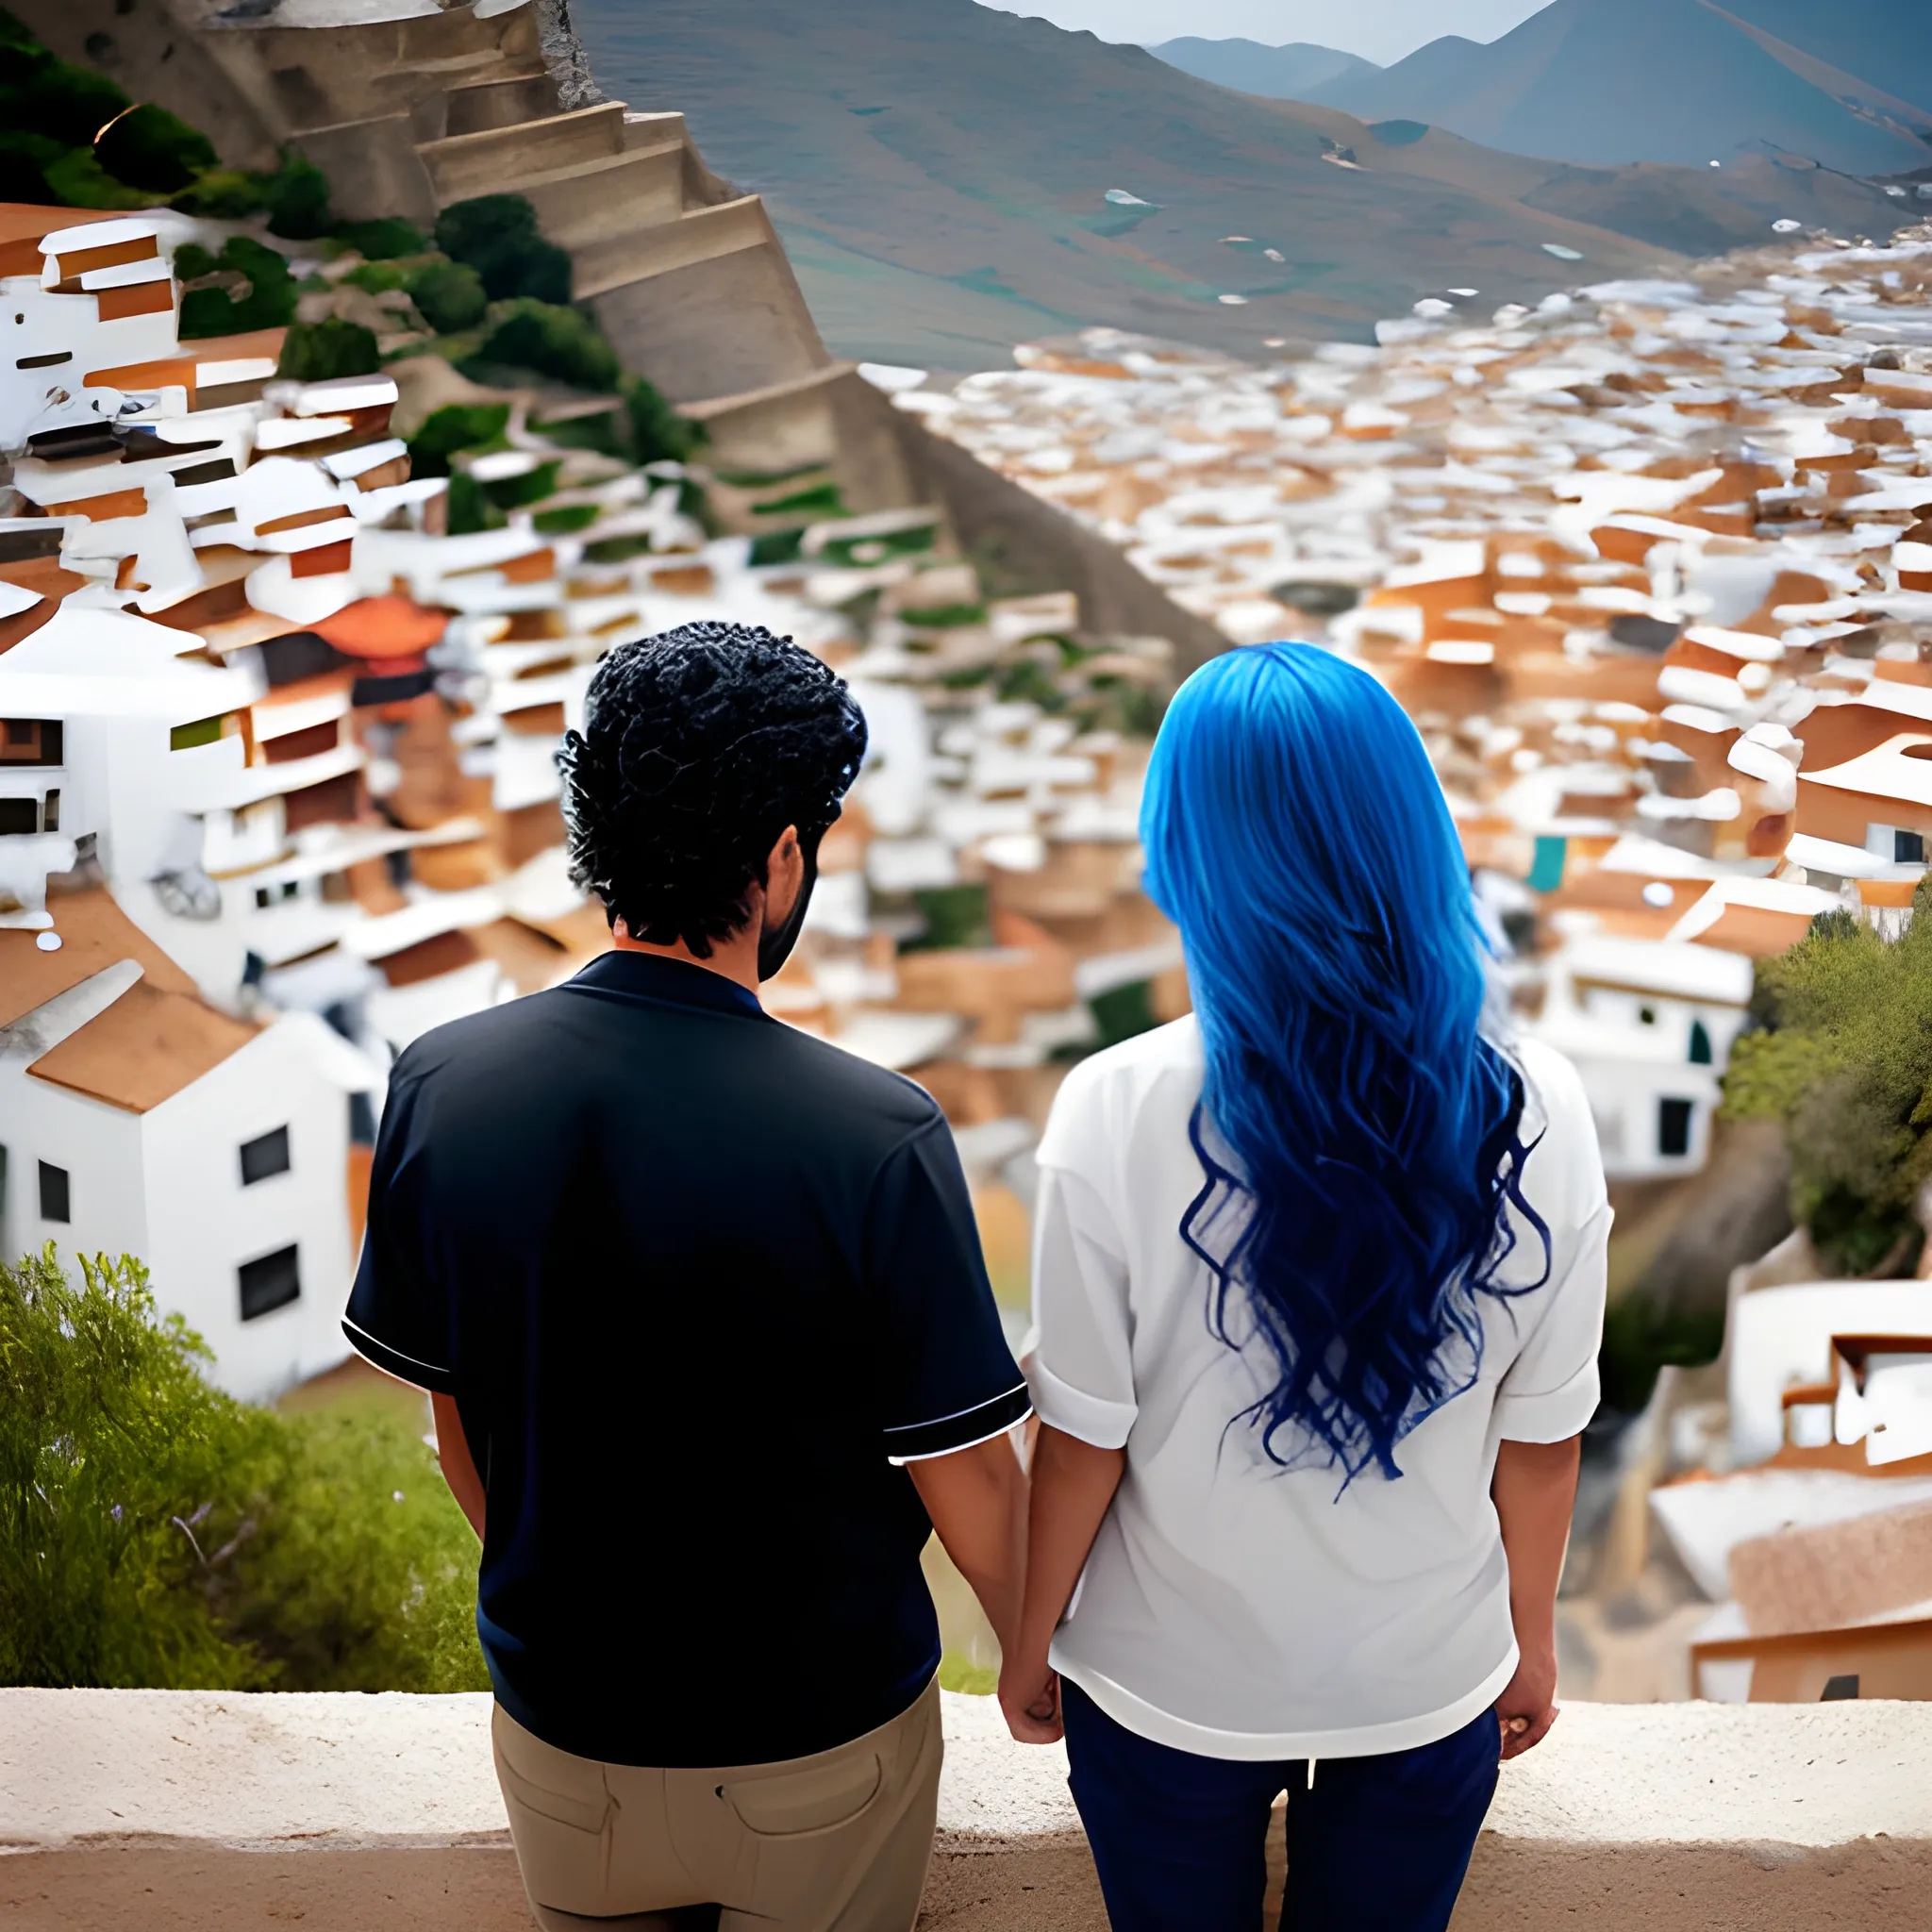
[167, 1812]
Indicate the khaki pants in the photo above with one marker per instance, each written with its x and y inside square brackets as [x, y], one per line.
[838, 1843]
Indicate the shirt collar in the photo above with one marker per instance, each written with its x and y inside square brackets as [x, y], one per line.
[677, 982]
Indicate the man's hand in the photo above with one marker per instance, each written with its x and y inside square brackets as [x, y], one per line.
[459, 1465]
[1527, 1708]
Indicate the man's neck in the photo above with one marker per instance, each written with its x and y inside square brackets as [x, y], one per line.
[736, 959]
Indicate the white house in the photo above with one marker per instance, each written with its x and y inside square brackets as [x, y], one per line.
[1649, 1024]
[137, 1118]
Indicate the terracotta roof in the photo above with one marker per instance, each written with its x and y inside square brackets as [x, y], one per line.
[144, 1049]
[95, 933]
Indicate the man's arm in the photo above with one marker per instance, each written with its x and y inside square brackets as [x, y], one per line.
[1072, 1485]
[1535, 1492]
[459, 1465]
[976, 1498]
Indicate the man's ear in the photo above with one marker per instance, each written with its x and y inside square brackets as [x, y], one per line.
[784, 875]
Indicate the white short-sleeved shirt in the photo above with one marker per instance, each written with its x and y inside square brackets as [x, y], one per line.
[1231, 1608]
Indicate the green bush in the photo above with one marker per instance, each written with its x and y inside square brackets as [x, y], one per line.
[222, 195]
[148, 147]
[382, 240]
[521, 490]
[270, 299]
[297, 197]
[453, 427]
[449, 296]
[954, 915]
[24, 159]
[566, 520]
[377, 277]
[316, 351]
[497, 236]
[154, 1532]
[658, 433]
[1843, 1058]
[42, 94]
[470, 509]
[76, 179]
[547, 341]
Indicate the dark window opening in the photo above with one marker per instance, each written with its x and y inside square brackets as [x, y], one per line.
[1673, 1126]
[50, 816]
[1842, 1687]
[57, 1196]
[1700, 1044]
[361, 1120]
[1909, 848]
[264, 1157]
[269, 1282]
[20, 815]
[33, 742]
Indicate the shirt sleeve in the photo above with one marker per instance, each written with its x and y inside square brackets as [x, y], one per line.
[1550, 1391]
[399, 1315]
[1081, 1370]
[949, 1379]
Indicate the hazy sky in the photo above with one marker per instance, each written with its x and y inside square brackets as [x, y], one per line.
[1380, 31]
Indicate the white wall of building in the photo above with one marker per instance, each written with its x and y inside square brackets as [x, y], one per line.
[98, 1145]
[202, 1223]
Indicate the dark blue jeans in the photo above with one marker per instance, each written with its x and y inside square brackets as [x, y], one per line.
[1381, 1844]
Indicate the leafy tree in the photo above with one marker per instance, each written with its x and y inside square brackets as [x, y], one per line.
[449, 296]
[383, 241]
[297, 197]
[658, 432]
[1844, 1059]
[43, 94]
[453, 427]
[148, 147]
[153, 1532]
[470, 509]
[497, 236]
[549, 341]
[316, 351]
[269, 300]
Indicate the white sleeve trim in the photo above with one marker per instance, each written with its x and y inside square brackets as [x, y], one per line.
[1099, 1423]
[958, 1448]
[1554, 1416]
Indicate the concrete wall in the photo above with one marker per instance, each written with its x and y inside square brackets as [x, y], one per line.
[1013, 534]
[154, 1811]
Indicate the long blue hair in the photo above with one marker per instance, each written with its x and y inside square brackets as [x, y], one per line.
[1361, 1137]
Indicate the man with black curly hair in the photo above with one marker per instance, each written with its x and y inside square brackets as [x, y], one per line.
[700, 1305]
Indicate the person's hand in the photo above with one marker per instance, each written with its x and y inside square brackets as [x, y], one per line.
[1528, 1706]
[1030, 1697]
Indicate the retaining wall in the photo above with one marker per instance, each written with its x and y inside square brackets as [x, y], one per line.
[159, 1811]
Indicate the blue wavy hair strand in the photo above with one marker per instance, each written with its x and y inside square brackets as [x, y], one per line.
[1360, 1136]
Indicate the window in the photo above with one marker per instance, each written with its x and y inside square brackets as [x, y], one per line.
[202, 731]
[50, 815]
[56, 1196]
[1648, 1015]
[1907, 848]
[264, 1157]
[1700, 1044]
[31, 741]
[1674, 1127]
[20, 815]
[269, 1282]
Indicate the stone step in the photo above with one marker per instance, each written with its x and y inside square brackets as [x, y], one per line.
[596, 201]
[700, 234]
[498, 160]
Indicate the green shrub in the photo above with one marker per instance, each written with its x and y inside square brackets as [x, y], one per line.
[297, 197]
[76, 179]
[377, 277]
[778, 546]
[521, 490]
[24, 159]
[1640, 1338]
[943, 616]
[382, 240]
[40, 94]
[496, 235]
[449, 296]
[148, 147]
[316, 351]
[453, 427]
[820, 500]
[658, 432]
[547, 341]
[222, 195]
[470, 509]
[267, 302]
[954, 915]
[566, 520]
[154, 1532]
[1843, 1058]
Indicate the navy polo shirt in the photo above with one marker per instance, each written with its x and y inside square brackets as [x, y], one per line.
[699, 1284]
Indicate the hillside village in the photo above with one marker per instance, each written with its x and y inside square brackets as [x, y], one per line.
[285, 656]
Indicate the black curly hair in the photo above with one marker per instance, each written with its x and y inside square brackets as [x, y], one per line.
[699, 747]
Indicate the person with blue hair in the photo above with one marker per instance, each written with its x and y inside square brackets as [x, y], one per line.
[1319, 1287]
